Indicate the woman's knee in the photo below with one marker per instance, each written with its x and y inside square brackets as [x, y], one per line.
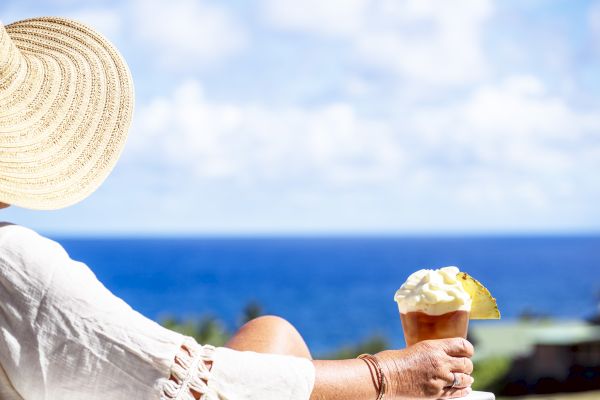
[271, 334]
[273, 323]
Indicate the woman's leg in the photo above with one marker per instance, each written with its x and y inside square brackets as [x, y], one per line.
[269, 334]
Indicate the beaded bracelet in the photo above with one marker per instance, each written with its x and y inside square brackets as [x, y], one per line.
[372, 361]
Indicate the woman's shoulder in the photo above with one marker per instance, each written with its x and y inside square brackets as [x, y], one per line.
[10, 232]
[18, 240]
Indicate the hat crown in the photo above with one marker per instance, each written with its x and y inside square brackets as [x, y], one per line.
[10, 58]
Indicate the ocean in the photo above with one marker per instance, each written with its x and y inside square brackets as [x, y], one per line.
[338, 290]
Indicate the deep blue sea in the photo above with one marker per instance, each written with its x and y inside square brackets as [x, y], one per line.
[338, 290]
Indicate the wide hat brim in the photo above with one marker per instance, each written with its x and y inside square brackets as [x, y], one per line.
[66, 101]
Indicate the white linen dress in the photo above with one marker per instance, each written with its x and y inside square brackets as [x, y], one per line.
[64, 336]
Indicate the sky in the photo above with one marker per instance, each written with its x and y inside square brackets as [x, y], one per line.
[346, 116]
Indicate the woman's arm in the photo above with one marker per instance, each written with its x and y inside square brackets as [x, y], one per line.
[343, 380]
[422, 371]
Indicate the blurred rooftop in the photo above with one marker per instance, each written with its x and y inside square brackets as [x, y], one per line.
[513, 339]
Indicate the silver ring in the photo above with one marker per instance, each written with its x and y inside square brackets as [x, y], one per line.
[456, 381]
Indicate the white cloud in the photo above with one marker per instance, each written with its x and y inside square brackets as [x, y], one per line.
[430, 41]
[520, 107]
[252, 143]
[514, 110]
[181, 35]
[184, 34]
[503, 144]
[433, 42]
[492, 195]
[107, 21]
[332, 17]
[510, 143]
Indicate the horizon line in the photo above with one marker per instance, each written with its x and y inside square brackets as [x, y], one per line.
[321, 234]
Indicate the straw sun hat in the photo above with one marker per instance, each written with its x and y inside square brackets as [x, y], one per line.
[66, 99]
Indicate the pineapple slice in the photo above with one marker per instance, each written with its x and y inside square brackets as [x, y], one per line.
[483, 305]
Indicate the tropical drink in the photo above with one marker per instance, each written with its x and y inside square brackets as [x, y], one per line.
[437, 304]
[433, 305]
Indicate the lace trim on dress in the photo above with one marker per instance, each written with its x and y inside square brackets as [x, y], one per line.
[190, 373]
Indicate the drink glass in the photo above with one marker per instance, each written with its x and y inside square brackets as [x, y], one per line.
[419, 326]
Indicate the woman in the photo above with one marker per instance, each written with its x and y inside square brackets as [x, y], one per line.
[66, 100]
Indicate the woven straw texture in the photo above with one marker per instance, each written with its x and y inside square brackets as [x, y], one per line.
[66, 100]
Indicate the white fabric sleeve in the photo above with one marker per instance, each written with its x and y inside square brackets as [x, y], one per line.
[246, 375]
[237, 375]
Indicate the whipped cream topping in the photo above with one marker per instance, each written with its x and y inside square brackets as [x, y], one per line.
[434, 292]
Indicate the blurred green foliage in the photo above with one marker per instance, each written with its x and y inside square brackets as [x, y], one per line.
[252, 310]
[489, 373]
[209, 329]
[206, 330]
[372, 345]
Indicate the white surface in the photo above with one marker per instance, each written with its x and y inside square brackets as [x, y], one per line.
[478, 396]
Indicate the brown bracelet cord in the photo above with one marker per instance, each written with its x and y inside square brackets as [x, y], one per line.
[372, 361]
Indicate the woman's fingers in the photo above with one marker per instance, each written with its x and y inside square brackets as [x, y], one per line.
[461, 364]
[459, 347]
[428, 369]
[462, 380]
[451, 393]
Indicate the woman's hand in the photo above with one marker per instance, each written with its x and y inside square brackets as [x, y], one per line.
[422, 371]
[425, 369]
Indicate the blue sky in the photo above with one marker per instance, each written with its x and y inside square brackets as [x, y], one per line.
[375, 116]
